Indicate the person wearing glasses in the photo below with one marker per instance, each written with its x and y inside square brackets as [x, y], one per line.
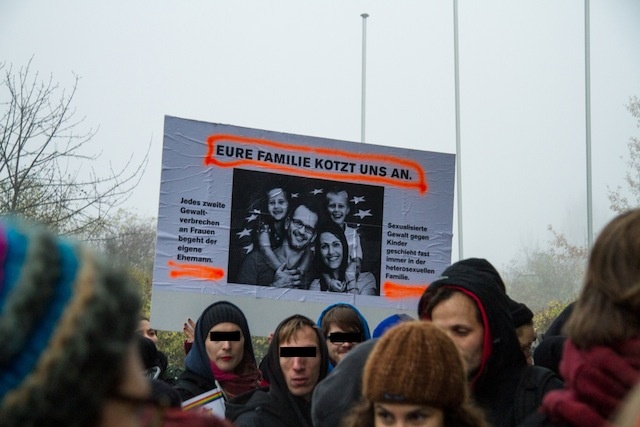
[300, 233]
[222, 355]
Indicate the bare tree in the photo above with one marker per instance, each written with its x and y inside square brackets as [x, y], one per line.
[620, 202]
[129, 240]
[45, 173]
[539, 276]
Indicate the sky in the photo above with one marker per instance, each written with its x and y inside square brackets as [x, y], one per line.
[296, 67]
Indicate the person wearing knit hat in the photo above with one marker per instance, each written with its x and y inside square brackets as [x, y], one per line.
[222, 354]
[415, 375]
[69, 356]
[469, 304]
[67, 325]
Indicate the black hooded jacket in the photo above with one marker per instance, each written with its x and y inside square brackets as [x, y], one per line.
[503, 365]
[275, 406]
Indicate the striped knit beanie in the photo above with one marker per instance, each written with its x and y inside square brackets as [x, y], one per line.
[66, 324]
[415, 363]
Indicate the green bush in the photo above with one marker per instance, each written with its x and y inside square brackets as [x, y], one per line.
[543, 318]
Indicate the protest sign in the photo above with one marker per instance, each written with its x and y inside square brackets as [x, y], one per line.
[253, 213]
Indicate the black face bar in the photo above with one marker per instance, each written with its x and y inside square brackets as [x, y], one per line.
[224, 336]
[340, 337]
[298, 351]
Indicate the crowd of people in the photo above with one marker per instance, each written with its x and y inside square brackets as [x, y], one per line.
[77, 353]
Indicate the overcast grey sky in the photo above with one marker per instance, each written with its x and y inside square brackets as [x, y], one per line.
[295, 66]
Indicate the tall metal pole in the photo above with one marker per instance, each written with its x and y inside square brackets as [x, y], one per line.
[587, 91]
[364, 74]
[458, 150]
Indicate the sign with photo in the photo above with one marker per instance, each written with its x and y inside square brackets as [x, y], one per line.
[279, 216]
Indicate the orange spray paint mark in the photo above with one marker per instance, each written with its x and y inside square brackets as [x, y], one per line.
[397, 291]
[421, 186]
[194, 270]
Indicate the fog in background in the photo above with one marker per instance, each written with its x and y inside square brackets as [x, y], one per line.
[295, 67]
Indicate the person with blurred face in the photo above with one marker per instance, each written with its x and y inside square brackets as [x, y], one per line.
[75, 360]
[222, 354]
[292, 255]
[297, 359]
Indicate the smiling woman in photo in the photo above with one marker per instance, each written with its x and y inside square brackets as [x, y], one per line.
[332, 259]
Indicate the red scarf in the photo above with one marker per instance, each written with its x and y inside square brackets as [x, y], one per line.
[596, 382]
[244, 378]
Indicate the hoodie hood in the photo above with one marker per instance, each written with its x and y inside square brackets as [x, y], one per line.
[278, 401]
[197, 359]
[365, 325]
[363, 321]
[501, 350]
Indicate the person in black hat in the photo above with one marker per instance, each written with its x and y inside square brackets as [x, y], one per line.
[470, 304]
[222, 354]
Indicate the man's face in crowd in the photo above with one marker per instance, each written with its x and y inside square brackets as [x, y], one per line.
[302, 373]
[301, 228]
[457, 316]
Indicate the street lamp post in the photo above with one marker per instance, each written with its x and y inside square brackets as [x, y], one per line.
[364, 74]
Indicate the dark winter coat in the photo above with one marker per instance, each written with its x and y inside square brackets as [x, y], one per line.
[190, 384]
[275, 406]
[493, 388]
[335, 396]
